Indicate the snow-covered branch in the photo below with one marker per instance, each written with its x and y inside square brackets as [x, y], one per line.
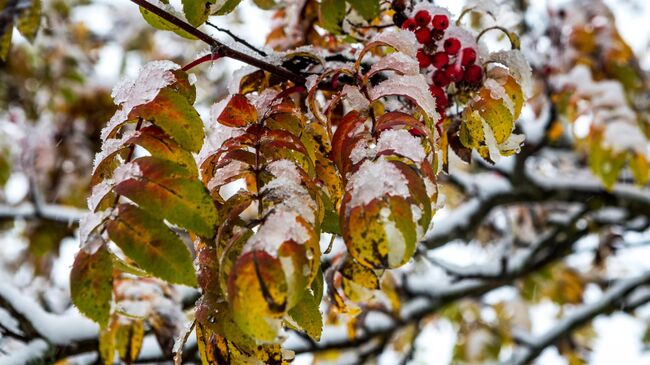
[29, 211]
[619, 296]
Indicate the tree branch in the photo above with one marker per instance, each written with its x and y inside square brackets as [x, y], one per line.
[220, 48]
[52, 212]
[614, 298]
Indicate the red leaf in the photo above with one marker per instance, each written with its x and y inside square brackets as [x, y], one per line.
[238, 113]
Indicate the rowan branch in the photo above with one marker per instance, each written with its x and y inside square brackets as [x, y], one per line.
[618, 297]
[221, 49]
[52, 212]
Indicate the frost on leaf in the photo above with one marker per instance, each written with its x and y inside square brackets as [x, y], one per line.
[489, 119]
[613, 133]
[414, 87]
[134, 200]
[262, 178]
[402, 40]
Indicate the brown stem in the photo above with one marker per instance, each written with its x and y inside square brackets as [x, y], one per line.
[220, 48]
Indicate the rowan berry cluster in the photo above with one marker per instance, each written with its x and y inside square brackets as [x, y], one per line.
[444, 58]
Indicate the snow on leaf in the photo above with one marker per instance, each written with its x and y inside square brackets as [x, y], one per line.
[130, 93]
[621, 136]
[401, 142]
[490, 141]
[518, 66]
[88, 224]
[277, 228]
[498, 92]
[398, 62]
[413, 86]
[374, 180]
[402, 40]
[355, 98]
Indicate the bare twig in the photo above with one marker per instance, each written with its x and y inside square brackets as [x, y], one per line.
[238, 39]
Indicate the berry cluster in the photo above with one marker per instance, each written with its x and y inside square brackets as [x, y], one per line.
[446, 61]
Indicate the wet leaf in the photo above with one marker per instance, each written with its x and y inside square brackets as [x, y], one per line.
[332, 13]
[152, 245]
[239, 112]
[30, 20]
[306, 313]
[368, 9]
[91, 284]
[128, 339]
[257, 291]
[159, 23]
[196, 11]
[174, 114]
[164, 192]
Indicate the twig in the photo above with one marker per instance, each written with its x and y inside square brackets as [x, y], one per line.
[612, 299]
[220, 48]
[238, 39]
[51, 212]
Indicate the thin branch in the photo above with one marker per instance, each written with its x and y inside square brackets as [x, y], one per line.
[220, 48]
[238, 39]
[612, 299]
[51, 212]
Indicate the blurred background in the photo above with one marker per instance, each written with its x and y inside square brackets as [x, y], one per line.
[55, 97]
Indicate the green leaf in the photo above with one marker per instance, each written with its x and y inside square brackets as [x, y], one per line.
[332, 13]
[257, 291]
[368, 9]
[196, 11]
[154, 140]
[159, 23]
[152, 245]
[330, 222]
[129, 337]
[5, 42]
[126, 267]
[165, 192]
[5, 166]
[30, 20]
[91, 284]
[265, 4]
[227, 7]
[173, 113]
[306, 313]
[107, 345]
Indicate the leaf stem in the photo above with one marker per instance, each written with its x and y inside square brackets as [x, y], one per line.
[207, 58]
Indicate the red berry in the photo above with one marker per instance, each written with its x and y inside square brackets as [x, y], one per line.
[409, 24]
[440, 22]
[423, 59]
[440, 78]
[455, 72]
[422, 18]
[423, 35]
[440, 95]
[474, 74]
[468, 57]
[452, 46]
[439, 59]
